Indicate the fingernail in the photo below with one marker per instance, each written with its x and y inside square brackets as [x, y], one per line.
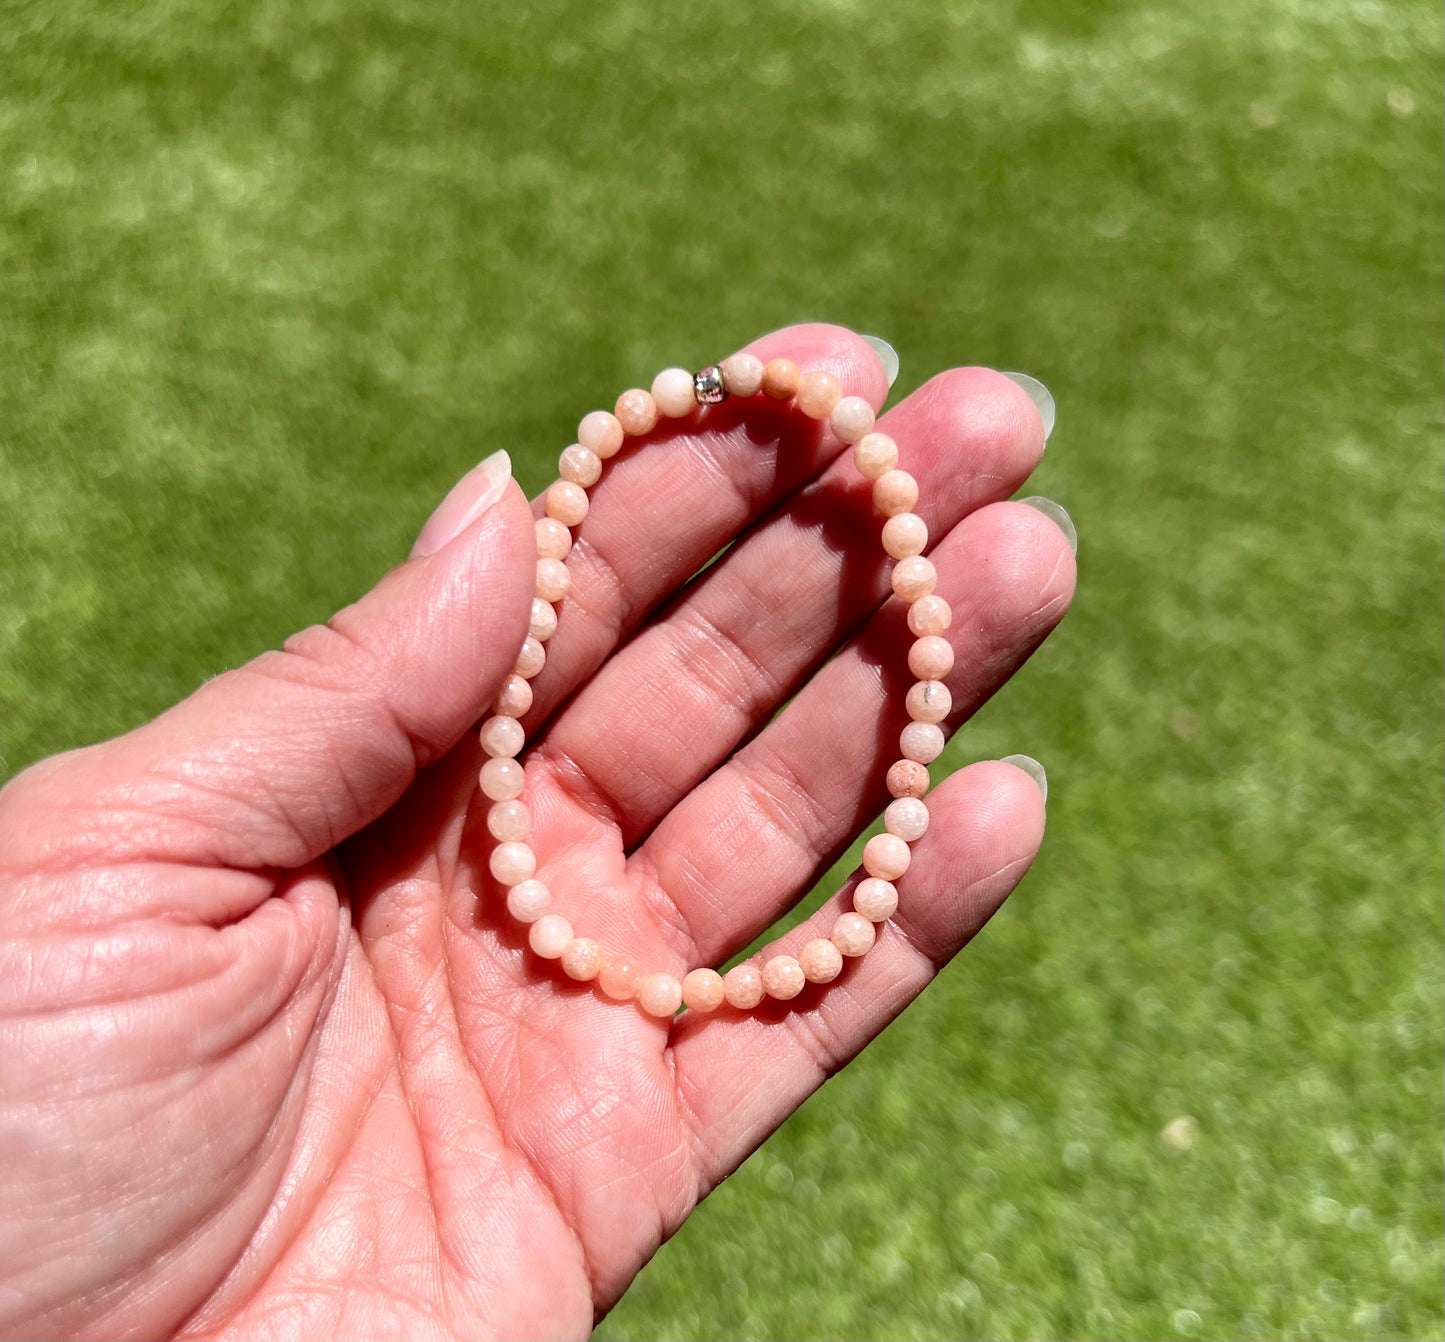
[1040, 396]
[1033, 768]
[470, 497]
[887, 356]
[1056, 514]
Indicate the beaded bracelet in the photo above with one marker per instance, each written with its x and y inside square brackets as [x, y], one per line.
[600, 436]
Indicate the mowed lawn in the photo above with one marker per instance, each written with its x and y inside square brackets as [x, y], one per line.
[272, 275]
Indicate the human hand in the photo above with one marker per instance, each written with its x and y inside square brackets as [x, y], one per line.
[275, 1060]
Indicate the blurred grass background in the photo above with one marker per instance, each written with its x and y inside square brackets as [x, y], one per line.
[275, 274]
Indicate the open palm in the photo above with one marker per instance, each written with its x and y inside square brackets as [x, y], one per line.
[274, 1059]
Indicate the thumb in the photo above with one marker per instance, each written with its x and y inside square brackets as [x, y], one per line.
[274, 763]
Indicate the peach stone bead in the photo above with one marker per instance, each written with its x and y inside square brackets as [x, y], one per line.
[702, 989]
[818, 393]
[581, 465]
[509, 820]
[502, 737]
[853, 934]
[600, 433]
[905, 535]
[659, 995]
[895, 492]
[551, 934]
[931, 658]
[783, 977]
[780, 379]
[553, 580]
[672, 389]
[566, 502]
[544, 620]
[921, 741]
[907, 817]
[929, 701]
[875, 454]
[742, 376]
[619, 977]
[554, 541]
[907, 778]
[637, 413]
[876, 900]
[820, 961]
[513, 699]
[531, 659]
[851, 420]
[929, 615]
[528, 900]
[886, 856]
[582, 959]
[743, 987]
[914, 577]
[502, 779]
[513, 863]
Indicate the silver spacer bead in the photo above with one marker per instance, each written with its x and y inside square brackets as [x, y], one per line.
[707, 386]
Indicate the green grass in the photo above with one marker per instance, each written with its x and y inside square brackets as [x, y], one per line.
[275, 274]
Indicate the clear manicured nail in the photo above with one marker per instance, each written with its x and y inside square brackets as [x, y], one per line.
[1033, 768]
[470, 497]
[887, 356]
[1040, 396]
[1057, 515]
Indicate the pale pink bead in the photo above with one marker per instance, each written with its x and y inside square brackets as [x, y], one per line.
[513, 863]
[929, 615]
[544, 620]
[553, 580]
[581, 465]
[502, 779]
[636, 411]
[783, 977]
[914, 577]
[921, 741]
[895, 492]
[851, 420]
[566, 502]
[509, 820]
[907, 778]
[929, 701]
[659, 994]
[600, 432]
[876, 900]
[907, 817]
[528, 900]
[904, 535]
[742, 376]
[875, 454]
[502, 737]
[550, 936]
[743, 987]
[672, 390]
[619, 977]
[931, 658]
[820, 960]
[553, 539]
[886, 856]
[583, 959]
[818, 392]
[853, 934]
[702, 989]
[531, 659]
[513, 699]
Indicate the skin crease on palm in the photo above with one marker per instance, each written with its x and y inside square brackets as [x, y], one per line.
[276, 1062]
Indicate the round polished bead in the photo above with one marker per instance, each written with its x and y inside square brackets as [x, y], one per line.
[895, 492]
[513, 863]
[707, 386]
[702, 989]
[554, 541]
[502, 779]
[886, 856]
[851, 419]
[876, 900]
[636, 411]
[783, 977]
[780, 379]
[820, 960]
[509, 820]
[600, 432]
[743, 987]
[513, 699]
[581, 465]
[531, 659]
[619, 977]
[554, 580]
[582, 959]
[929, 701]
[853, 934]
[875, 454]
[566, 502]
[502, 737]
[544, 620]
[907, 818]
[742, 374]
[905, 535]
[659, 994]
[914, 577]
[550, 935]
[672, 390]
[931, 657]
[528, 900]
[818, 392]
[929, 615]
[921, 741]
[907, 778]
